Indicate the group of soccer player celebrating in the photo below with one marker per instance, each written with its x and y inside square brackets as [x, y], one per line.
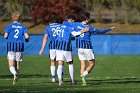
[60, 47]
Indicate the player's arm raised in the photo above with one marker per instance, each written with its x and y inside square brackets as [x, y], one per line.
[98, 31]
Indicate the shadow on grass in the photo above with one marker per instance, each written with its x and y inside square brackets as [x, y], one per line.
[92, 87]
[89, 81]
[114, 81]
[24, 76]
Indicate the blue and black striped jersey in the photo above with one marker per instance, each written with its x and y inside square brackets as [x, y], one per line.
[68, 24]
[16, 33]
[15, 46]
[52, 31]
[64, 38]
[83, 40]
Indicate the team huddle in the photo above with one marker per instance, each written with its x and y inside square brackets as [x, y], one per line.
[60, 46]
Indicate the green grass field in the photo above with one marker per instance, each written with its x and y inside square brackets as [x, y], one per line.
[112, 74]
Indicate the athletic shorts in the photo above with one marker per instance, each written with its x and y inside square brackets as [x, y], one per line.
[17, 56]
[85, 54]
[52, 54]
[63, 55]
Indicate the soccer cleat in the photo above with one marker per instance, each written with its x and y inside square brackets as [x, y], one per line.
[84, 84]
[60, 82]
[73, 82]
[15, 79]
[83, 80]
[53, 79]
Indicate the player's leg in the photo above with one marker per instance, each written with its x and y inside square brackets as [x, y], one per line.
[82, 59]
[84, 73]
[18, 60]
[13, 70]
[83, 67]
[89, 68]
[60, 59]
[17, 66]
[69, 60]
[90, 57]
[12, 66]
[71, 71]
[59, 72]
[82, 70]
[52, 66]
[11, 61]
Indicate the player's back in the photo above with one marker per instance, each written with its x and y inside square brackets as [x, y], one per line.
[64, 38]
[52, 31]
[64, 33]
[83, 40]
[80, 26]
[16, 33]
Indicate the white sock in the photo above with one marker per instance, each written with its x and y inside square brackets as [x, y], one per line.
[59, 72]
[52, 68]
[13, 70]
[71, 71]
[85, 73]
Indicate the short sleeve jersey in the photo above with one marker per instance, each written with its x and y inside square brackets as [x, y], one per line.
[15, 38]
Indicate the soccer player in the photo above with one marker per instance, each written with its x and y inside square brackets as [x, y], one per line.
[84, 45]
[14, 34]
[51, 32]
[64, 49]
[67, 22]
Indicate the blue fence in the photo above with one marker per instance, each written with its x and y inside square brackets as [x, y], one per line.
[102, 45]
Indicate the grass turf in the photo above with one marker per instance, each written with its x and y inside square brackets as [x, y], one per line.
[112, 74]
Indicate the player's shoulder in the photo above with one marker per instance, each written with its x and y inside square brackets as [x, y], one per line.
[84, 24]
[8, 25]
[91, 27]
[66, 22]
[54, 24]
[21, 25]
[48, 26]
[64, 26]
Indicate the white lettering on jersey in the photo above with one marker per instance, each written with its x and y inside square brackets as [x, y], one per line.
[14, 26]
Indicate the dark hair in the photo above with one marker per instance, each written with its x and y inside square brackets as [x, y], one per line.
[60, 20]
[84, 16]
[71, 16]
[53, 18]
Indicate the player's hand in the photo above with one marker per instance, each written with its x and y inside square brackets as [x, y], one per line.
[26, 40]
[40, 52]
[113, 28]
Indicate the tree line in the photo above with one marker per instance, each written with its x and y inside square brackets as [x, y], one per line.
[123, 11]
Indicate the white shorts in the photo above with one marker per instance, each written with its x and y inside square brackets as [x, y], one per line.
[52, 54]
[17, 56]
[85, 54]
[64, 55]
